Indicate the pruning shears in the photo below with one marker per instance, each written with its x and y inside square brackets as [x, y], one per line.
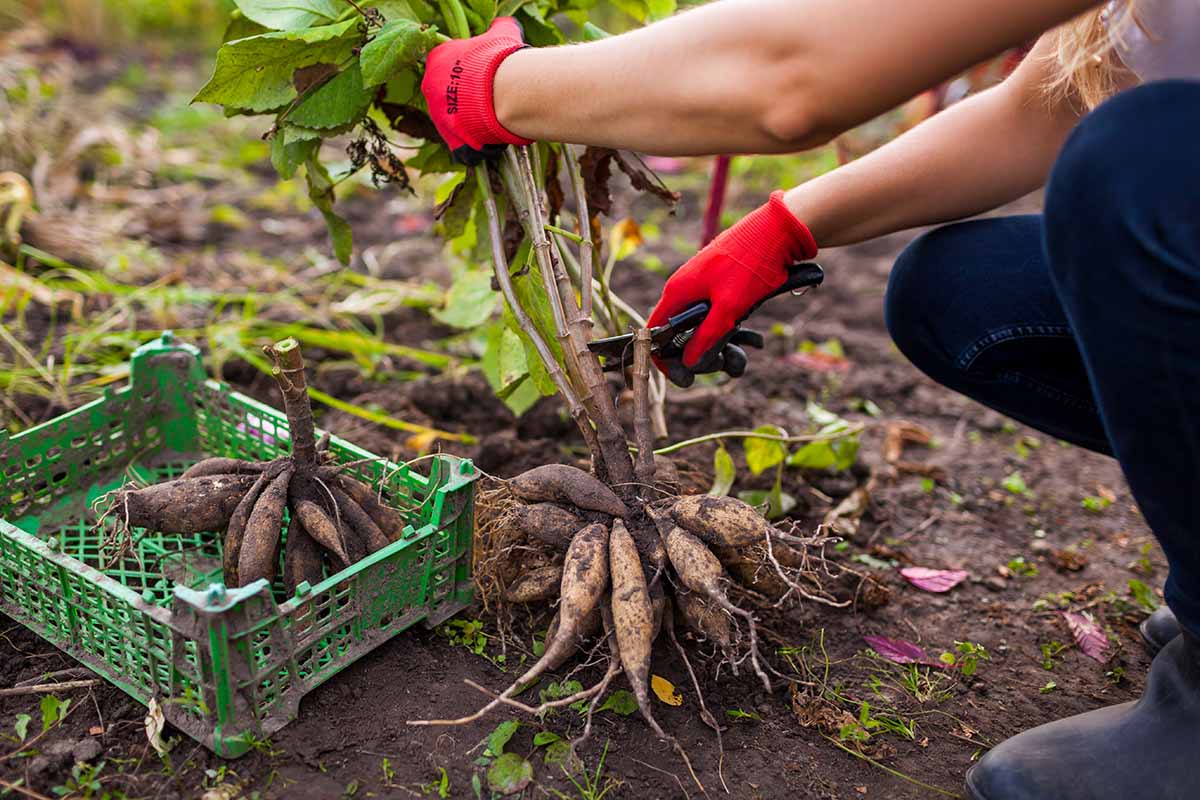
[668, 341]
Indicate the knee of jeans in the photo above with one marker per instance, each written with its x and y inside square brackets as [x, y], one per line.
[910, 304]
[1123, 168]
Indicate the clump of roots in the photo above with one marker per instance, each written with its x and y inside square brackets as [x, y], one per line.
[551, 535]
[333, 517]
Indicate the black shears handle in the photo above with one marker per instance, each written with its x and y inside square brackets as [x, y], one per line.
[800, 276]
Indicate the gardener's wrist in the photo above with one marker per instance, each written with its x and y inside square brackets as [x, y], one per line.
[510, 93]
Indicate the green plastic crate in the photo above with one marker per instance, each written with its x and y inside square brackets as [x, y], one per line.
[227, 666]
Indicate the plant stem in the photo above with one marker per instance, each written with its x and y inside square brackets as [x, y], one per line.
[611, 325]
[455, 17]
[585, 229]
[599, 312]
[595, 394]
[643, 434]
[563, 232]
[504, 279]
[289, 374]
[802, 439]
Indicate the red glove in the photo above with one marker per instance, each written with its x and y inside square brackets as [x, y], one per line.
[734, 272]
[458, 89]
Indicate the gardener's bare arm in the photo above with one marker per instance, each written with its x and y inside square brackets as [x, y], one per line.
[979, 154]
[757, 75]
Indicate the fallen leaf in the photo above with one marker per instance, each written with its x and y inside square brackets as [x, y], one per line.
[917, 468]
[818, 713]
[155, 722]
[933, 580]
[897, 433]
[422, 442]
[817, 361]
[509, 774]
[1068, 560]
[843, 519]
[665, 691]
[1088, 635]
[899, 651]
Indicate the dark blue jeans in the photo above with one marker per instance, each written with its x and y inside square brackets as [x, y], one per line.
[1084, 322]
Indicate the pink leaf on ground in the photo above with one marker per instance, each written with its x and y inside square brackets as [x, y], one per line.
[816, 361]
[933, 580]
[900, 651]
[1088, 635]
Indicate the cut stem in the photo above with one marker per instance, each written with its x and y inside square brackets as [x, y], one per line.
[289, 374]
[643, 433]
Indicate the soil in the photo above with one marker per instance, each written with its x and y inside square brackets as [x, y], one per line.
[782, 745]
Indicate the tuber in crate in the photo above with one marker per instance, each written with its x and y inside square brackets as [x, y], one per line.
[227, 666]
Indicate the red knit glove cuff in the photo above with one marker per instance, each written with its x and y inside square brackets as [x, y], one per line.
[476, 109]
[768, 240]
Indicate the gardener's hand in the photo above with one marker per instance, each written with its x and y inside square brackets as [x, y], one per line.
[734, 272]
[458, 89]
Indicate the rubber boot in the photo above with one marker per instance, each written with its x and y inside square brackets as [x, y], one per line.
[1144, 749]
[1158, 629]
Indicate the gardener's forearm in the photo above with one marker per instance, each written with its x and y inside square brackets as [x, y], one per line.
[756, 75]
[977, 155]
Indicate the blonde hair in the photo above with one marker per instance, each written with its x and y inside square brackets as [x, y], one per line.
[1088, 67]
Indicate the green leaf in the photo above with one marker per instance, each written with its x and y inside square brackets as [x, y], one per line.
[287, 158]
[470, 301]
[762, 454]
[558, 752]
[320, 191]
[503, 360]
[723, 473]
[543, 738]
[522, 396]
[53, 710]
[1015, 483]
[399, 44]
[239, 28]
[594, 33]
[620, 702]
[255, 74]
[498, 738]
[659, 9]
[634, 8]
[1142, 594]
[776, 503]
[509, 774]
[293, 134]
[338, 103]
[396, 9]
[484, 9]
[814, 455]
[455, 201]
[557, 691]
[539, 32]
[289, 14]
[433, 157]
[820, 415]
[402, 88]
[22, 726]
